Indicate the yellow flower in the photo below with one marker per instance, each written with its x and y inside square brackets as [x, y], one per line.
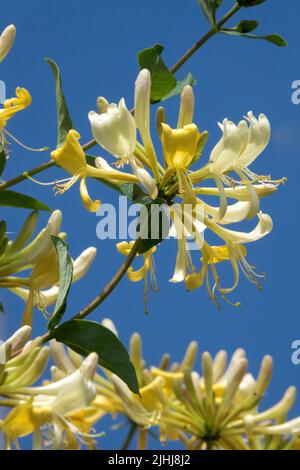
[53, 403]
[14, 105]
[71, 158]
[180, 145]
[147, 269]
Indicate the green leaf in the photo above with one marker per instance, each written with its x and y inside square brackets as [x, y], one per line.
[1, 309]
[275, 39]
[250, 3]
[2, 230]
[64, 121]
[272, 38]
[155, 218]
[65, 280]
[85, 337]
[2, 159]
[208, 10]
[13, 199]
[188, 80]
[163, 81]
[246, 26]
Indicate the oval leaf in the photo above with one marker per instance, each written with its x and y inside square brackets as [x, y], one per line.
[246, 26]
[13, 199]
[163, 81]
[85, 337]
[65, 280]
[64, 121]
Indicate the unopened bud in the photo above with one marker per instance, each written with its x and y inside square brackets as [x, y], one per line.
[190, 356]
[161, 118]
[7, 39]
[187, 105]
[102, 105]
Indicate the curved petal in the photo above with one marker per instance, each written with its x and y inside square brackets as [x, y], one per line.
[144, 177]
[235, 212]
[115, 130]
[142, 115]
[227, 149]
[263, 228]
[140, 274]
[91, 206]
[259, 137]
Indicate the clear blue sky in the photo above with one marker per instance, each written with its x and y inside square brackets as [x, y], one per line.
[95, 43]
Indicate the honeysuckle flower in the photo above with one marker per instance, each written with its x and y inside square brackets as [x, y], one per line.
[53, 403]
[114, 397]
[220, 409]
[216, 410]
[142, 117]
[147, 269]
[7, 40]
[25, 363]
[20, 255]
[41, 286]
[12, 106]
[114, 129]
[45, 274]
[228, 167]
[71, 158]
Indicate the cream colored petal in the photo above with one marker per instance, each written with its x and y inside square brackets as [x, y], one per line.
[7, 39]
[259, 137]
[227, 149]
[187, 105]
[142, 116]
[263, 228]
[115, 130]
[144, 177]
[235, 212]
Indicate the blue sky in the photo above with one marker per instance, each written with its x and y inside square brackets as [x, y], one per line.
[95, 43]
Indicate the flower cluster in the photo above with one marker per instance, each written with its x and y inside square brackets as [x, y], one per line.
[53, 413]
[184, 189]
[219, 409]
[38, 259]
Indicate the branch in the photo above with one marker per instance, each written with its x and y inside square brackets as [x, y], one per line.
[112, 284]
[214, 30]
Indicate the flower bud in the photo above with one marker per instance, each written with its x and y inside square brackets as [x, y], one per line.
[102, 105]
[7, 39]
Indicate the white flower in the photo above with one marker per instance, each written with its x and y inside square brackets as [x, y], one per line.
[241, 144]
[115, 130]
[45, 298]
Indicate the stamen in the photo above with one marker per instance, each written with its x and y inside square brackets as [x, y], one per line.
[44, 149]
[62, 188]
[121, 162]
[41, 183]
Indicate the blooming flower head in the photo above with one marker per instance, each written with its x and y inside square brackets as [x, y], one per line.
[178, 183]
[72, 158]
[12, 106]
[217, 409]
[220, 408]
[147, 269]
[40, 288]
[52, 404]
